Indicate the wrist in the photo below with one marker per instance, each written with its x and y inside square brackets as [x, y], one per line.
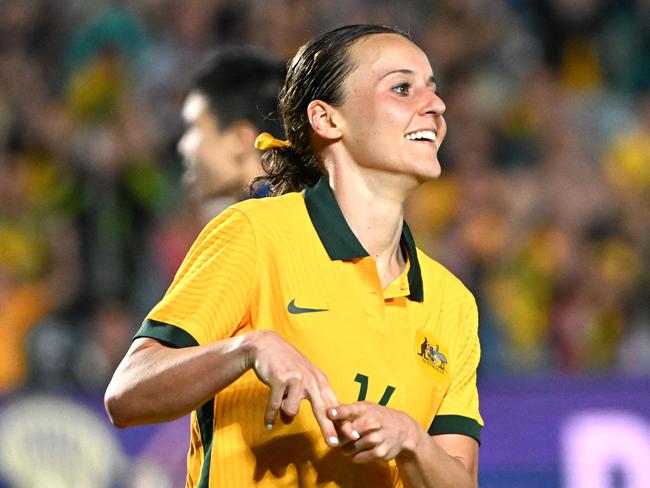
[247, 348]
[250, 347]
[412, 437]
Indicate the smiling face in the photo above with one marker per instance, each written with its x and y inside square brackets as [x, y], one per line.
[391, 117]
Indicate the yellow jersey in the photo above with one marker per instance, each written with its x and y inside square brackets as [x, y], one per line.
[291, 264]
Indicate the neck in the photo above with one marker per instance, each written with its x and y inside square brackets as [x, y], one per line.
[375, 214]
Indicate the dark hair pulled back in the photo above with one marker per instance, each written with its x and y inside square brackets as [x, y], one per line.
[316, 72]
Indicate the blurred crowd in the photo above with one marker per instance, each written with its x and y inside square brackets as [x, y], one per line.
[543, 208]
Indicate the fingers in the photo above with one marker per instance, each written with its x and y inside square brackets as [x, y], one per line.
[292, 378]
[372, 432]
[319, 407]
[285, 399]
[272, 408]
[286, 396]
[349, 411]
[347, 432]
[327, 393]
[380, 452]
[369, 447]
[351, 421]
[293, 397]
[365, 442]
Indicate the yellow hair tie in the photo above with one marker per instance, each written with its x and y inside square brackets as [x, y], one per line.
[266, 141]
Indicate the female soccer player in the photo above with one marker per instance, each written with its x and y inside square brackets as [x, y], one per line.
[319, 294]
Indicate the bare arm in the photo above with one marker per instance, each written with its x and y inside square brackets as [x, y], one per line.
[152, 383]
[377, 433]
[155, 383]
[443, 460]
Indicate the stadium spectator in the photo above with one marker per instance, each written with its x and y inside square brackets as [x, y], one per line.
[233, 98]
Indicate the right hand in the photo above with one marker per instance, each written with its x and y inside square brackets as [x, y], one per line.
[292, 378]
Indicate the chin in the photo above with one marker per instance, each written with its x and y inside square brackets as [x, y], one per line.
[432, 172]
[436, 173]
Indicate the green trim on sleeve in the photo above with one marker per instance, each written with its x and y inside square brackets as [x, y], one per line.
[168, 334]
[205, 417]
[174, 336]
[456, 424]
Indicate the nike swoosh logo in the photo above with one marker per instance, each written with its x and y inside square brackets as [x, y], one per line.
[294, 309]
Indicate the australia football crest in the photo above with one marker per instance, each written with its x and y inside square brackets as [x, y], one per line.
[431, 357]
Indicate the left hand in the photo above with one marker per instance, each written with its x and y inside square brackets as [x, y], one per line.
[373, 432]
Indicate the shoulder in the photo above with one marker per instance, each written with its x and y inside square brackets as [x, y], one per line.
[450, 306]
[280, 207]
[266, 222]
[437, 277]
[255, 210]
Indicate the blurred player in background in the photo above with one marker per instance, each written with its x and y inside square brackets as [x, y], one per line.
[233, 98]
[320, 294]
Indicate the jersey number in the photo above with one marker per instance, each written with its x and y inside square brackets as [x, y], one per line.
[362, 379]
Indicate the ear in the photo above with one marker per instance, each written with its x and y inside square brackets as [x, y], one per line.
[323, 119]
[244, 134]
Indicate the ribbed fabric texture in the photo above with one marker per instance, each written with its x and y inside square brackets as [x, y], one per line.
[242, 273]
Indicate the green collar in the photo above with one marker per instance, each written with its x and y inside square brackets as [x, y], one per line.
[341, 243]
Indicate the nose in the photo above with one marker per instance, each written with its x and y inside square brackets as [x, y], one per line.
[433, 104]
[181, 146]
[434, 107]
[187, 144]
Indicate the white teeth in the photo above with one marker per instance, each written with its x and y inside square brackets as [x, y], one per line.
[422, 135]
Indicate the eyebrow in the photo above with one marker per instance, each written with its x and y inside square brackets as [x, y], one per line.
[431, 81]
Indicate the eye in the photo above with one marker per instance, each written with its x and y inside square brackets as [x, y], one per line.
[403, 89]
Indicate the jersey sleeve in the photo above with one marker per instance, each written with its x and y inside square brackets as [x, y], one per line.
[210, 295]
[459, 411]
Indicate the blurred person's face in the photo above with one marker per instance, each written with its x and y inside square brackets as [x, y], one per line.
[212, 155]
[391, 115]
